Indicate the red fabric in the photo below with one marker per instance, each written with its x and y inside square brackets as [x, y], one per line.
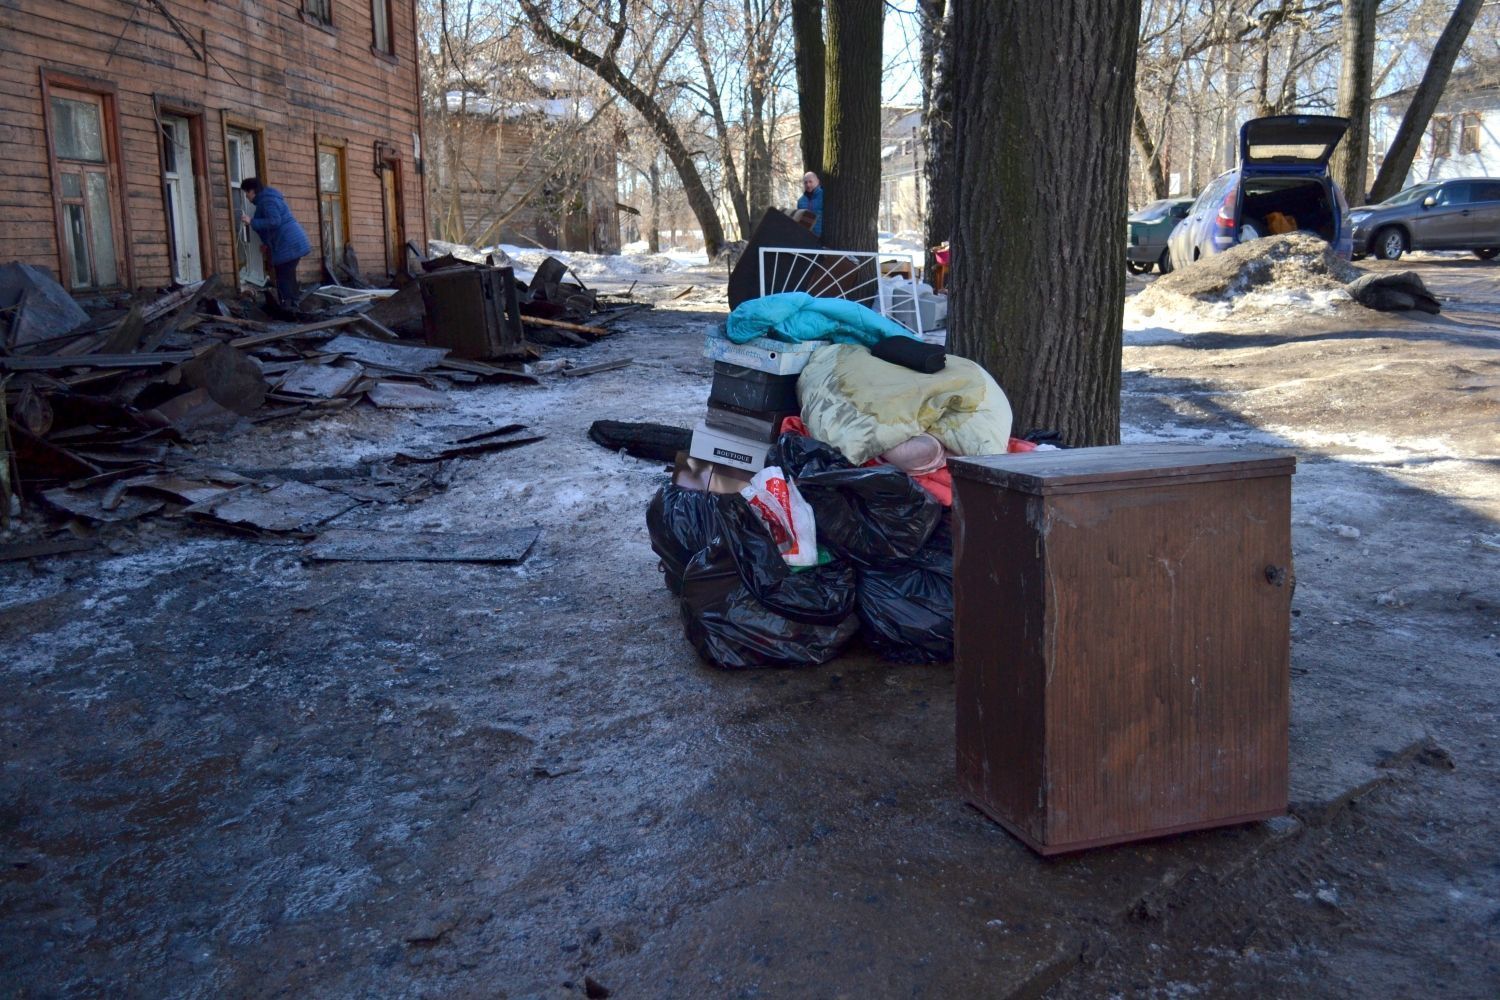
[1016, 444]
[794, 425]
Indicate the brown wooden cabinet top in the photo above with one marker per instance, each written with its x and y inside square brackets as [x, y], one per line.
[1078, 470]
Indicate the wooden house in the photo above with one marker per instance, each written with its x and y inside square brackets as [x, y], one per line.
[128, 128]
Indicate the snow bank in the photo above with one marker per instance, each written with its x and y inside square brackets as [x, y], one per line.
[1271, 276]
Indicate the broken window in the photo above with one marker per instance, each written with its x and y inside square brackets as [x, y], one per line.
[1468, 136]
[78, 123]
[319, 10]
[333, 201]
[380, 14]
[1442, 136]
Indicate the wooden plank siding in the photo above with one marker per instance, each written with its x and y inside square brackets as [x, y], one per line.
[266, 66]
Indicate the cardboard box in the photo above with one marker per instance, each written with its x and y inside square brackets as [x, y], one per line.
[752, 391]
[696, 474]
[723, 448]
[758, 426]
[773, 357]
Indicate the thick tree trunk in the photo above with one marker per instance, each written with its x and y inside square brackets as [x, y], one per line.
[1351, 159]
[698, 198]
[807, 41]
[1043, 162]
[937, 120]
[1414, 123]
[851, 143]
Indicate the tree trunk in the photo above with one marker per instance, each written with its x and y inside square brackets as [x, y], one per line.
[1150, 156]
[743, 216]
[653, 238]
[807, 40]
[698, 198]
[851, 143]
[1351, 159]
[1043, 163]
[1403, 149]
[937, 120]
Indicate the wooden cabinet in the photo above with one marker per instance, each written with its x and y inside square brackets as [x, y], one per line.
[1122, 620]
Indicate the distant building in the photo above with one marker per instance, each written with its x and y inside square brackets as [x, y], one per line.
[129, 126]
[901, 181]
[525, 172]
[1463, 137]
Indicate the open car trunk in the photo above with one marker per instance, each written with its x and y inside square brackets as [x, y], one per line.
[1272, 206]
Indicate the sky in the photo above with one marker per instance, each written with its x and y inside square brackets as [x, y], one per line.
[902, 83]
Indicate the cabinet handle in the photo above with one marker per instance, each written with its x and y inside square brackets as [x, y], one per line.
[1276, 575]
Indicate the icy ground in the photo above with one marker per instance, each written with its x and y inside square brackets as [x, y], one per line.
[231, 772]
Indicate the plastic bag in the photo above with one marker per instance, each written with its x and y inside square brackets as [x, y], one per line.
[681, 523]
[906, 608]
[869, 516]
[742, 606]
[786, 515]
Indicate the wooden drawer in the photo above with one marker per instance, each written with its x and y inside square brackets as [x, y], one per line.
[1122, 632]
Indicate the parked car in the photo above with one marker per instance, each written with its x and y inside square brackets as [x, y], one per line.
[1149, 228]
[1281, 186]
[1460, 214]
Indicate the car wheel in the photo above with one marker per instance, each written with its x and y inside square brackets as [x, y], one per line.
[1487, 253]
[1389, 244]
[1164, 262]
[1135, 268]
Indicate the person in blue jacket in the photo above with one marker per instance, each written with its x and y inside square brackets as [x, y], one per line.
[812, 201]
[283, 236]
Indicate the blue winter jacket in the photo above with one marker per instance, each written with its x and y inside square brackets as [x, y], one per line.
[814, 204]
[277, 229]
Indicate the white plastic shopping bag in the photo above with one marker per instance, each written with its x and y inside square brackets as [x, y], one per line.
[786, 514]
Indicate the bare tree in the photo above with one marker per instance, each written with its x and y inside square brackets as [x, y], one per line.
[1424, 101]
[612, 23]
[1351, 159]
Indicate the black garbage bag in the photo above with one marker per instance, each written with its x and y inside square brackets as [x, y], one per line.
[906, 608]
[742, 606]
[869, 516]
[681, 522]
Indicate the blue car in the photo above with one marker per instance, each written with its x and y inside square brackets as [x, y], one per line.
[1281, 186]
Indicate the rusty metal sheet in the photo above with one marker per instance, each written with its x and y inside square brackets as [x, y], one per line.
[354, 545]
[290, 506]
[189, 491]
[381, 354]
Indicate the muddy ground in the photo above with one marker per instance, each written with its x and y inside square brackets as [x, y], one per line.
[230, 772]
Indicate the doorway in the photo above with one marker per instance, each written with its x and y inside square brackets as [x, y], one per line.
[179, 173]
[243, 153]
[395, 229]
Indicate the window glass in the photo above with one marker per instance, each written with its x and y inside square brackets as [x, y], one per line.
[1409, 195]
[328, 171]
[1453, 194]
[319, 10]
[72, 186]
[78, 133]
[1485, 191]
[105, 270]
[78, 254]
[169, 147]
[380, 12]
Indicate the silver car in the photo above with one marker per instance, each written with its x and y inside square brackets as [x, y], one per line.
[1461, 214]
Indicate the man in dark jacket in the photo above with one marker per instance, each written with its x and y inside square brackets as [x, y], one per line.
[283, 237]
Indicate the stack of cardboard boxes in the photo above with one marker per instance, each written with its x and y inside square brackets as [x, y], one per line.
[754, 390]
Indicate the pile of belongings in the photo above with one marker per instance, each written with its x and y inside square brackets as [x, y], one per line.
[813, 504]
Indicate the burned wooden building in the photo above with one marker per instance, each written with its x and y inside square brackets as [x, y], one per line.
[128, 128]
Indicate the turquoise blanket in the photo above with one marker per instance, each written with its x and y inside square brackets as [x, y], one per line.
[797, 316]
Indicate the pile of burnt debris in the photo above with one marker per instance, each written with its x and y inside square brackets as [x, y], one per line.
[102, 406]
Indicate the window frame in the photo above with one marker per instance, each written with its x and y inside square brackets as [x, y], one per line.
[227, 121]
[1442, 125]
[312, 16]
[1470, 125]
[341, 147]
[390, 29]
[113, 169]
